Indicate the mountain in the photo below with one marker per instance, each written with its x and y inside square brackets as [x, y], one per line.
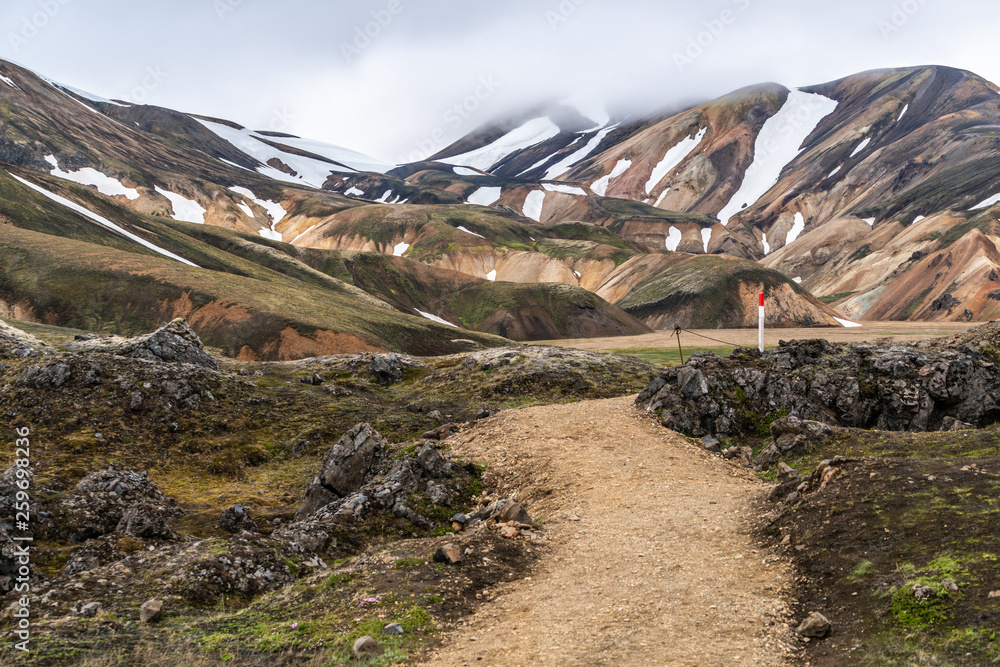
[859, 188]
[876, 193]
[116, 217]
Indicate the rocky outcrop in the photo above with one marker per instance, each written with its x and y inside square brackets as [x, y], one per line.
[387, 368]
[110, 500]
[345, 468]
[792, 437]
[885, 386]
[174, 342]
[357, 477]
[245, 566]
[237, 519]
[17, 343]
[145, 520]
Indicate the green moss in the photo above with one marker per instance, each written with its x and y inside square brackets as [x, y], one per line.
[628, 209]
[915, 304]
[830, 298]
[913, 614]
[752, 422]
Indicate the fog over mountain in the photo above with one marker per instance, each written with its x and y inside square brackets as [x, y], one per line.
[398, 79]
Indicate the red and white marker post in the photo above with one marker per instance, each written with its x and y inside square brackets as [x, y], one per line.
[760, 321]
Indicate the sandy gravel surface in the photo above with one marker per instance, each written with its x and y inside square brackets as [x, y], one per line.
[650, 561]
[899, 331]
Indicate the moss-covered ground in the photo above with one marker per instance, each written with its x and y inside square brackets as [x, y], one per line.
[907, 510]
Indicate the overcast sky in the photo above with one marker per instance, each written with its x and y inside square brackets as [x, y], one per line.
[385, 76]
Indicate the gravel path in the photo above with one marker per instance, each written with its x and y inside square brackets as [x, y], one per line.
[649, 559]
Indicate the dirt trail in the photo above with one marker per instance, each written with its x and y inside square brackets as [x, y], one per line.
[649, 559]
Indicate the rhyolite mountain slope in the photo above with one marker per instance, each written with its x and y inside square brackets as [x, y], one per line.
[264, 240]
[838, 184]
[874, 192]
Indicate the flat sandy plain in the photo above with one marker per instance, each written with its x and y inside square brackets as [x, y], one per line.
[868, 332]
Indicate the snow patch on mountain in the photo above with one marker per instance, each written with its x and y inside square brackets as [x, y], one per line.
[104, 222]
[297, 238]
[986, 203]
[673, 239]
[798, 226]
[87, 96]
[492, 275]
[399, 249]
[233, 164]
[274, 210]
[675, 155]
[309, 171]
[463, 229]
[185, 210]
[435, 318]
[600, 186]
[533, 132]
[706, 237]
[903, 112]
[485, 196]
[834, 172]
[767, 246]
[863, 145]
[353, 160]
[533, 205]
[246, 209]
[88, 176]
[564, 165]
[9, 82]
[565, 189]
[353, 191]
[847, 323]
[776, 145]
[465, 171]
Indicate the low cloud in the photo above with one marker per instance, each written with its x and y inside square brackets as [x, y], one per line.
[393, 77]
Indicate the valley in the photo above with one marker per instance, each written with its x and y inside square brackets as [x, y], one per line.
[291, 404]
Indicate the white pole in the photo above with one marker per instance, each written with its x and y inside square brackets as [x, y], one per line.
[761, 322]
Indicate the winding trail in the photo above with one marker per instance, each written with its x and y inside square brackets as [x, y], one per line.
[650, 561]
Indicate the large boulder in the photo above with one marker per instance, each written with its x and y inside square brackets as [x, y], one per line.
[433, 463]
[387, 485]
[346, 467]
[174, 342]
[387, 368]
